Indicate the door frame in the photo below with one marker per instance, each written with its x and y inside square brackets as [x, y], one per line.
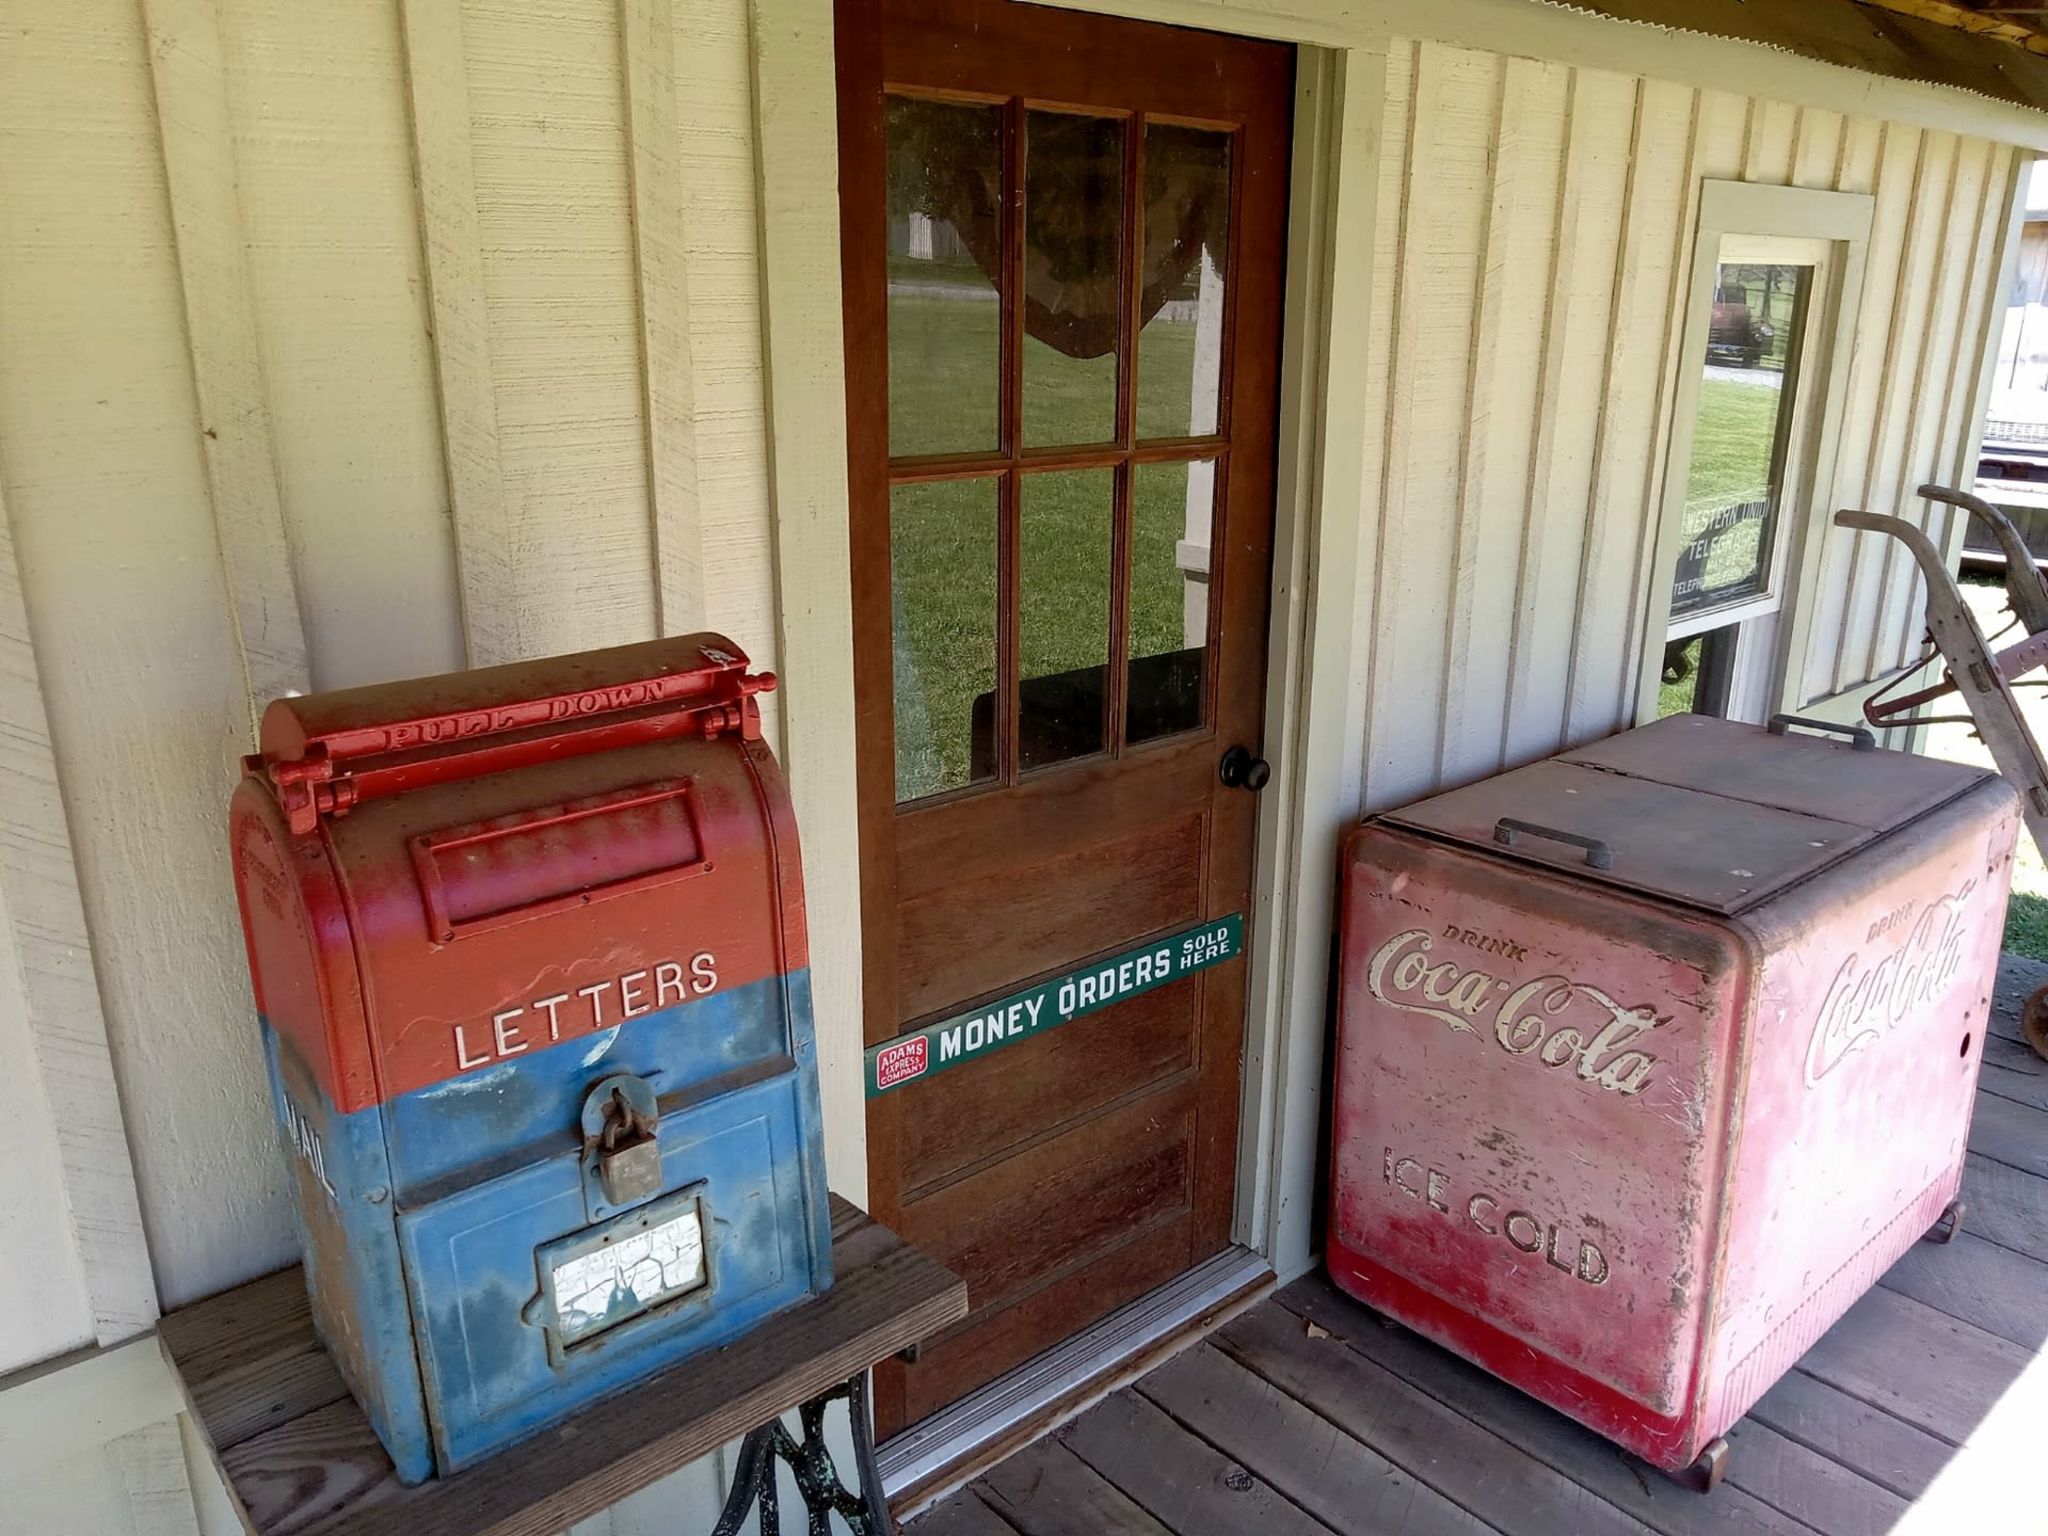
[1315, 717]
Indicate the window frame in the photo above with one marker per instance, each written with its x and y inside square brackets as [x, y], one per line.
[1748, 223]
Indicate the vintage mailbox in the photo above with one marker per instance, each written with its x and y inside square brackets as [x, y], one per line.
[1654, 1056]
[528, 947]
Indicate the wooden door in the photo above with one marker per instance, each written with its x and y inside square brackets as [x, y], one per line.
[1063, 254]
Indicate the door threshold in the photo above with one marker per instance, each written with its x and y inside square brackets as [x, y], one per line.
[959, 1443]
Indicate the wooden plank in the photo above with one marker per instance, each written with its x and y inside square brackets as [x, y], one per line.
[2010, 1133]
[647, 36]
[1999, 1290]
[1817, 149]
[437, 81]
[1769, 145]
[1466, 1460]
[1532, 126]
[1917, 1363]
[1946, 330]
[1046, 1490]
[1336, 1477]
[85, 1399]
[1843, 595]
[1882, 1447]
[52, 957]
[1578, 323]
[323, 159]
[1569, 1449]
[1889, 422]
[191, 86]
[2006, 1206]
[151, 1462]
[1600, 684]
[324, 1472]
[1449, 147]
[964, 1515]
[1645, 597]
[1806, 1485]
[2008, 1072]
[1181, 1481]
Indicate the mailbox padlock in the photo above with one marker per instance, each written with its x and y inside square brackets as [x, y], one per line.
[621, 1122]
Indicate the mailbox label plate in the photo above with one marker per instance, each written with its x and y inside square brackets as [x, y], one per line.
[614, 1273]
[1057, 1000]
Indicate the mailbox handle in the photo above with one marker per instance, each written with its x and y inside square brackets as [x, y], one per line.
[1598, 854]
[1860, 737]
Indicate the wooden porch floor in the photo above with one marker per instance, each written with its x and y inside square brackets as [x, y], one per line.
[1911, 1413]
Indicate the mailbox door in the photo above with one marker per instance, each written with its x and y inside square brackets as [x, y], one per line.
[496, 1270]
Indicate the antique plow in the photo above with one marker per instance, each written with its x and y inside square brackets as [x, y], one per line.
[1984, 678]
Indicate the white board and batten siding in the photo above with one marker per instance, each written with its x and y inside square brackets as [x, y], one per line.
[372, 338]
[1534, 245]
[337, 343]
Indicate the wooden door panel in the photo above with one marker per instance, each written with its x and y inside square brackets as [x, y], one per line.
[1078, 1166]
[1008, 1229]
[993, 1106]
[1141, 1261]
[984, 936]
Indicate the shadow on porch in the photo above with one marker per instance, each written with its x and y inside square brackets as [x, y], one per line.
[1921, 1410]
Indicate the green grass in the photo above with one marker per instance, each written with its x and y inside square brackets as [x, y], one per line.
[943, 536]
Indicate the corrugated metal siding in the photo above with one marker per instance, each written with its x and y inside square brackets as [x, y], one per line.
[1535, 245]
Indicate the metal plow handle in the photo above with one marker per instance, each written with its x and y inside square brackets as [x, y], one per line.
[2024, 588]
[1975, 670]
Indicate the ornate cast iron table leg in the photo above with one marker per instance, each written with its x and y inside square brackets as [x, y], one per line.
[866, 1513]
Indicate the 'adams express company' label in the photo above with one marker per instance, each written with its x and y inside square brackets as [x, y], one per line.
[1558, 1022]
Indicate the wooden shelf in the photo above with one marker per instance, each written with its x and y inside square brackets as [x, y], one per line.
[303, 1461]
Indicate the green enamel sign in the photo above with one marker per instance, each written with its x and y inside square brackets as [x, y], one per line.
[968, 1036]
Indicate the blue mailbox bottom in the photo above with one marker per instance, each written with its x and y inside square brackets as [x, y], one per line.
[476, 1306]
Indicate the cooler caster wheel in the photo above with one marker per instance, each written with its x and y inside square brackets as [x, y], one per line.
[2034, 1021]
[1710, 1466]
[1948, 1223]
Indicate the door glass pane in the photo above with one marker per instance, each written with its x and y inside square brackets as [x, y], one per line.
[944, 170]
[1698, 672]
[1073, 276]
[1063, 620]
[1187, 218]
[942, 566]
[1172, 506]
[1740, 436]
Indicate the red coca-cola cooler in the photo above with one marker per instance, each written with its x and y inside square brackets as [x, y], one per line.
[1655, 1055]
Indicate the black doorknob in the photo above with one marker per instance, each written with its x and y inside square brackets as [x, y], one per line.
[1240, 770]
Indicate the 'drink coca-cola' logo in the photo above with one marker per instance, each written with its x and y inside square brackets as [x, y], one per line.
[1559, 1022]
[1863, 1006]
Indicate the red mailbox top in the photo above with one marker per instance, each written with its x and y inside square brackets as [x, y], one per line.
[441, 874]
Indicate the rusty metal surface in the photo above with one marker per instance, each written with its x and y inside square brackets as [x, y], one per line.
[1856, 36]
[1808, 774]
[1662, 840]
[1634, 1156]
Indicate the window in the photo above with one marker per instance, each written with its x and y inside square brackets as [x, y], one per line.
[1758, 394]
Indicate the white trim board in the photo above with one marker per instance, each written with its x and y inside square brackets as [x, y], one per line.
[1538, 30]
[796, 96]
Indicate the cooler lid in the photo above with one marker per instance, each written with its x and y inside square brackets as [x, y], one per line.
[1818, 775]
[1664, 841]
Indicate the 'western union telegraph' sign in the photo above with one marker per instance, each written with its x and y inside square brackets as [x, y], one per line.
[1056, 1001]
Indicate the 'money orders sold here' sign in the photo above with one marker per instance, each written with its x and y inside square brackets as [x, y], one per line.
[1057, 1000]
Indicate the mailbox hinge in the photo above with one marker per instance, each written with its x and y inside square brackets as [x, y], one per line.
[413, 754]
